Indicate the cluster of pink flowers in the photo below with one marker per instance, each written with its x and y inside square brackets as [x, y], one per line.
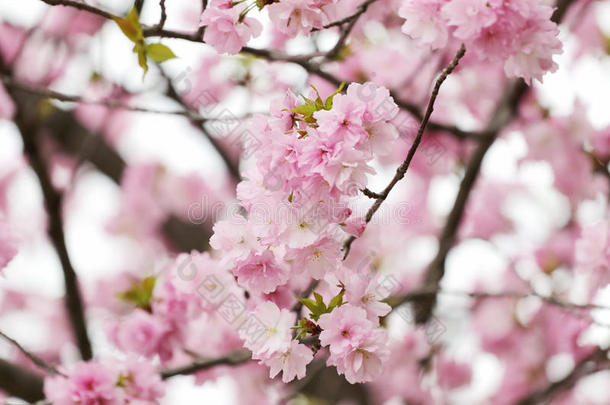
[357, 345]
[113, 383]
[227, 28]
[297, 195]
[312, 159]
[518, 34]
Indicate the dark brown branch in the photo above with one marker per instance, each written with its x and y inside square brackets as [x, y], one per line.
[503, 114]
[76, 140]
[359, 11]
[53, 203]
[351, 21]
[232, 359]
[47, 93]
[19, 382]
[402, 169]
[199, 123]
[33, 358]
[436, 270]
[163, 14]
[421, 293]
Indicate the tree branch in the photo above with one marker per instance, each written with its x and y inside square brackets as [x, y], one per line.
[232, 359]
[33, 358]
[351, 21]
[402, 169]
[20, 382]
[273, 56]
[504, 113]
[53, 203]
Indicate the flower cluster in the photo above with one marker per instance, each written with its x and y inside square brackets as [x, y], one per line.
[517, 33]
[116, 383]
[313, 159]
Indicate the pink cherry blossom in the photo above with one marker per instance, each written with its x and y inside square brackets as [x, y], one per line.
[226, 29]
[423, 22]
[88, 383]
[292, 363]
[365, 362]
[260, 273]
[267, 331]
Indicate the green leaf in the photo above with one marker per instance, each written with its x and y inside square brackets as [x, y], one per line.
[305, 110]
[130, 25]
[310, 304]
[159, 52]
[142, 61]
[337, 301]
[328, 104]
[140, 293]
[319, 300]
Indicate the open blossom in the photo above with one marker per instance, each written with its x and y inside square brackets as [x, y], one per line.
[267, 330]
[294, 16]
[468, 16]
[357, 347]
[367, 293]
[88, 383]
[260, 273]
[423, 22]
[365, 362]
[117, 383]
[140, 332]
[225, 27]
[292, 362]
[141, 381]
[317, 259]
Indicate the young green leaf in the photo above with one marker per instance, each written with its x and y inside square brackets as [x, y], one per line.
[337, 301]
[140, 293]
[328, 104]
[130, 25]
[310, 304]
[159, 52]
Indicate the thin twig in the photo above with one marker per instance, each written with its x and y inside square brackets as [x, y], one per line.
[274, 56]
[199, 123]
[402, 169]
[351, 20]
[29, 130]
[417, 294]
[112, 104]
[504, 113]
[163, 14]
[232, 359]
[35, 359]
[359, 11]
